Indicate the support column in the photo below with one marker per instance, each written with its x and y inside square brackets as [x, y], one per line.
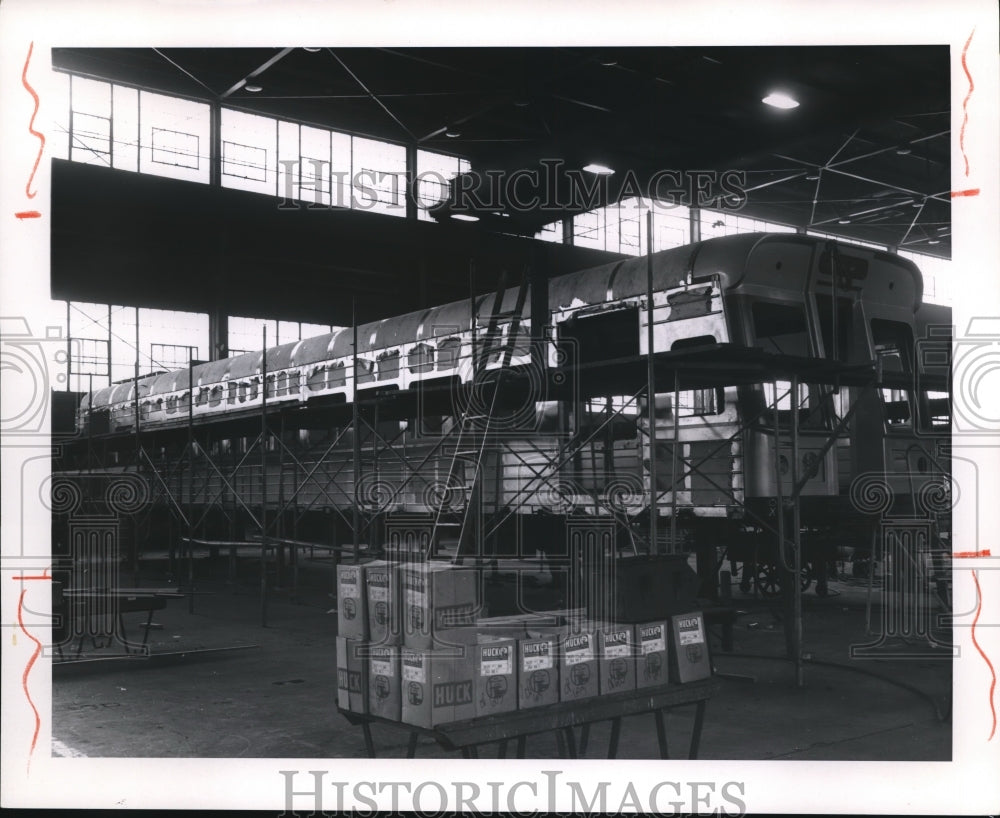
[218, 334]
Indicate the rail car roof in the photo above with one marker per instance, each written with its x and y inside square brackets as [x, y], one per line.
[243, 366]
[280, 357]
[392, 332]
[212, 372]
[311, 350]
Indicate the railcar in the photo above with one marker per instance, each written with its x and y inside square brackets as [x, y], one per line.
[725, 453]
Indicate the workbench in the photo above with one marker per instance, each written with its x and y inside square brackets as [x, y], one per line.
[99, 614]
[561, 718]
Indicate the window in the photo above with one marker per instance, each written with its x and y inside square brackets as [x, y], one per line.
[725, 223]
[378, 174]
[780, 328]
[173, 137]
[434, 171]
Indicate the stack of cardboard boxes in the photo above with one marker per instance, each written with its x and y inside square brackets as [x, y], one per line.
[415, 646]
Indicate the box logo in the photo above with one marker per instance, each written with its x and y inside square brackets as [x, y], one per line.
[452, 693]
[539, 682]
[580, 674]
[496, 688]
[415, 693]
[454, 616]
[350, 608]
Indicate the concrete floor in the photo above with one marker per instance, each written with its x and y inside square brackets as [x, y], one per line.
[273, 694]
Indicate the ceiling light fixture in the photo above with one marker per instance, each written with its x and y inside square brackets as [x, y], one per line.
[311, 49]
[778, 99]
[253, 89]
[843, 221]
[934, 241]
[812, 177]
[903, 150]
[452, 132]
[464, 217]
[608, 62]
[599, 170]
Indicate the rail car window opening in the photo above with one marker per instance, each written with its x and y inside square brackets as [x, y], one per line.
[316, 379]
[621, 404]
[780, 328]
[603, 336]
[449, 351]
[171, 404]
[336, 376]
[420, 358]
[935, 410]
[201, 396]
[184, 403]
[293, 383]
[269, 387]
[244, 391]
[700, 402]
[254, 388]
[230, 392]
[893, 344]
[388, 366]
[366, 371]
[839, 350]
[215, 395]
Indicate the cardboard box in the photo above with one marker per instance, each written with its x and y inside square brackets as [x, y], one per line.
[383, 682]
[352, 675]
[437, 687]
[496, 675]
[538, 671]
[578, 666]
[689, 659]
[616, 666]
[441, 604]
[653, 659]
[352, 614]
[384, 603]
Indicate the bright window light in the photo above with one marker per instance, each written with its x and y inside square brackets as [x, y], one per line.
[601, 170]
[463, 217]
[777, 99]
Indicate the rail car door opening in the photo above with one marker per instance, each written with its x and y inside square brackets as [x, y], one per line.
[893, 345]
[603, 336]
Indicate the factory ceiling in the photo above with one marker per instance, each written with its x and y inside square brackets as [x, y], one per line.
[865, 154]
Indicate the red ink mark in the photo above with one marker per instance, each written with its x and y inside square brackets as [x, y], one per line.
[28, 214]
[27, 670]
[967, 554]
[31, 123]
[971, 192]
[993, 673]
[965, 103]
[42, 576]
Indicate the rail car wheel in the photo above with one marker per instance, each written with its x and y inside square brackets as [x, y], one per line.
[769, 579]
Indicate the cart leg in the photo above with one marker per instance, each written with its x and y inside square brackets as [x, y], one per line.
[661, 734]
[502, 749]
[521, 742]
[411, 747]
[470, 752]
[616, 725]
[584, 739]
[369, 744]
[570, 742]
[699, 719]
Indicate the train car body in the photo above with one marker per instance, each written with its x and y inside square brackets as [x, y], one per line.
[725, 452]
